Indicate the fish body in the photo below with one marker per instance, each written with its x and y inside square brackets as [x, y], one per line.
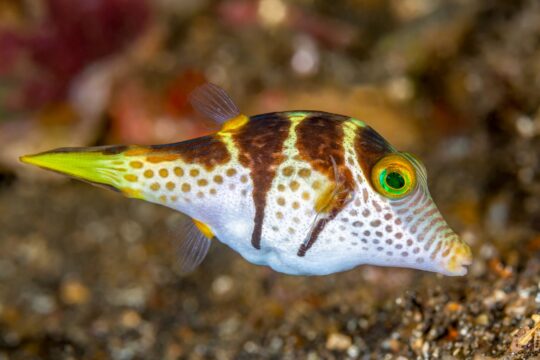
[304, 192]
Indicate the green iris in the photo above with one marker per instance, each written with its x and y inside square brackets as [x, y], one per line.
[395, 180]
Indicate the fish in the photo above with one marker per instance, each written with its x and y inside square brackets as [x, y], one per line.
[303, 192]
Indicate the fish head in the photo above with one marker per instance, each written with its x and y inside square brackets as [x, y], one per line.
[405, 227]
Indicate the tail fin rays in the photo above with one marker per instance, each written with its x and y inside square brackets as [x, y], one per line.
[102, 166]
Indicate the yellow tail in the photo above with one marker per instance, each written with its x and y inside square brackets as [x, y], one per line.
[103, 166]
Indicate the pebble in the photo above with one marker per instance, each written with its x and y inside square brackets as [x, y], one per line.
[353, 351]
[482, 319]
[338, 341]
[73, 292]
[222, 285]
[130, 319]
[132, 296]
[43, 304]
[251, 347]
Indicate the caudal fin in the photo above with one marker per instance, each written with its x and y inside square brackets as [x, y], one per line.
[103, 166]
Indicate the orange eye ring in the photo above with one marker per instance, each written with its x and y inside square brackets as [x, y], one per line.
[394, 176]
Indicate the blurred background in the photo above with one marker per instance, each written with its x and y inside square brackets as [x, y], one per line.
[85, 273]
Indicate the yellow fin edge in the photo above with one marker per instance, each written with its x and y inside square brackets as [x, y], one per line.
[235, 123]
[203, 228]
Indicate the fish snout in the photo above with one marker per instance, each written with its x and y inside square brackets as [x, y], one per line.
[456, 256]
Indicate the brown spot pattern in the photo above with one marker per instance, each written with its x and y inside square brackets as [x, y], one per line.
[178, 171]
[163, 172]
[260, 142]
[136, 164]
[148, 174]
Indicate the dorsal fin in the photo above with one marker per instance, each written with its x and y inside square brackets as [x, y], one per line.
[212, 101]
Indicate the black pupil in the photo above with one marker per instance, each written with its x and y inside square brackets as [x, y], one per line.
[395, 180]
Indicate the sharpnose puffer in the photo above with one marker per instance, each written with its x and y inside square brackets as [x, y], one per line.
[304, 192]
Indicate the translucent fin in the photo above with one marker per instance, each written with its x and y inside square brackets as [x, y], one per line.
[214, 102]
[192, 248]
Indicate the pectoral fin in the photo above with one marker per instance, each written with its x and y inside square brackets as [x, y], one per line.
[328, 204]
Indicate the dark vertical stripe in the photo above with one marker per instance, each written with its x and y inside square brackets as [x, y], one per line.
[313, 236]
[319, 140]
[320, 143]
[317, 229]
[370, 147]
[260, 144]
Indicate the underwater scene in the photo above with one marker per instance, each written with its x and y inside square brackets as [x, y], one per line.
[269, 179]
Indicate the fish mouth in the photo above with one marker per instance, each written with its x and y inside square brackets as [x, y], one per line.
[460, 259]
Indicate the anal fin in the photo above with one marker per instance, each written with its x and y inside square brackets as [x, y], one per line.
[203, 228]
[194, 246]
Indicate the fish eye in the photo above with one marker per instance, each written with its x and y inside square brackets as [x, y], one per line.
[394, 176]
[394, 180]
